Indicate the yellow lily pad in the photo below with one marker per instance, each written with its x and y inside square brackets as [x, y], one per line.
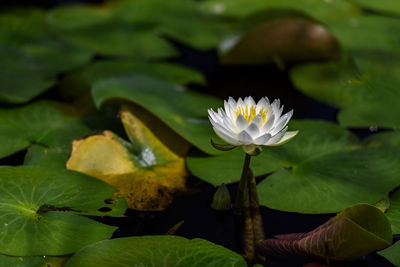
[148, 171]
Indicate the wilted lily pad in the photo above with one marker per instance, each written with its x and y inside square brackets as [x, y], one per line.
[356, 231]
[282, 40]
[40, 210]
[156, 251]
[45, 122]
[324, 169]
[182, 110]
[148, 170]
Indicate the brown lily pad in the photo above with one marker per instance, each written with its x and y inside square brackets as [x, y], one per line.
[147, 172]
[354, 232]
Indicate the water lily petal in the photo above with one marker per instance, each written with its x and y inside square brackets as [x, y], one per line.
[241, 123]
[245, 138]
[281, 122]
[276, 138]
[276, 109]
[286, 137]
[232, 102]
[269, 123]
[253, 130]
[249, 101]
[227, 138]
[229, 124]
[258, 121]
[214, 116]
[262, 103]
[261, 140]
[240, 103]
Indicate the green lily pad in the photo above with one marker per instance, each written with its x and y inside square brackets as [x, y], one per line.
[393, 212]
[322, 170]
[227, 167]
[35, 261]
[45, 122]
[384, 6]
[179, 20]
[354, 33]
[31, 57]
[354, 232]
[95, 28]
[182, 110]
[365, 88]
[392, 254]
[171, 73]
[320, 10]
[40, 210]
[155, 251]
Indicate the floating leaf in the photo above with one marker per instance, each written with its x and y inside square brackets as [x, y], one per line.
[227, 167]
[322, 170]
[35, 261]
[171, 73]
[356, 231]
[44, 122]
[320, 10]
[392, 254]
[39, 210]
[156, 251]
[394, 212]
[365, 88]
[282, 40]
[95, 28]
[354, 33]
[30, 57]
[183, 23]
[384, 6]
[146, 170]
[182, 110]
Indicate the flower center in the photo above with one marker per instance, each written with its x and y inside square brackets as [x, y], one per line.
[249, 113]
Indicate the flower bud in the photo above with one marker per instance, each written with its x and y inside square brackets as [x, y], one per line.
[221, 199]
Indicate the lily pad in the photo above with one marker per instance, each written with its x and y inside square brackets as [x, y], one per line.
[320, 10]
[148, 170]
[354, 33]
[394, 212]
[182, 110]
[171, 73]
[156, 251]
[392, 254]
[40, 210]
[35, 261]
[283, 40]
[31, 57]
[365, 88]
[322, 170]
[384, 6]
[356, 231]
[95, 28]
[183, 22]
[44, 122]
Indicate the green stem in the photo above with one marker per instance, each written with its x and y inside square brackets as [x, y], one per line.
[240, 194]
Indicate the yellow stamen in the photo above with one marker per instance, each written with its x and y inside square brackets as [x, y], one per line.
[249, 113]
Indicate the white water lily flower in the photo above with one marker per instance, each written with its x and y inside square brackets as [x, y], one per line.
[250, 125]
